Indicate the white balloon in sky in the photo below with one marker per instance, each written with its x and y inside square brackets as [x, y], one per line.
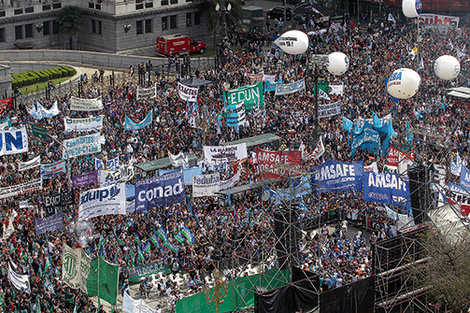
[403, 83]
[338, 63]
[293, 42]
[447, 67]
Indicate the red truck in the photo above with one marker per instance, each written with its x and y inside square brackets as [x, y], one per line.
[179, 44]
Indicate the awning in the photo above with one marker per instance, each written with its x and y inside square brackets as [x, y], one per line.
[163, 163]
[256, 140]
[244, 188]
[195, 82]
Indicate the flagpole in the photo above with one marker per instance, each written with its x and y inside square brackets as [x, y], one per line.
[98, 280]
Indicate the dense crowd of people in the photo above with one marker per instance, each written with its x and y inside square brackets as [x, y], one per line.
[240, 230]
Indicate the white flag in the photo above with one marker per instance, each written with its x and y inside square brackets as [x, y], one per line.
[319, 150]
[391, 18]
[20, 282]
[323, 94]
[178, 160]
[130, 305]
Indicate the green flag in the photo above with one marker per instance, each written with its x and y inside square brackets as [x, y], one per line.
[102, 280]
[249, 95]
[323, 90]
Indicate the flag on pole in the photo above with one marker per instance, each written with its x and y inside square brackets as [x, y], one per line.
[154, 239]
[101, 242]
[236, 115]
[179, 238]
[229, 201]
[323, 89]
[140, 254]
[147, 247]
[187, 234]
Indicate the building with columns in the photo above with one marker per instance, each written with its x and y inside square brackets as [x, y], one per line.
[115, 26]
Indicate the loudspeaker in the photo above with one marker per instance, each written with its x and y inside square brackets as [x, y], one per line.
[420, 193]
[287, 234]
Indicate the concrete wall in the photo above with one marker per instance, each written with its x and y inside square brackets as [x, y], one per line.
[19, 67]
[5, 81]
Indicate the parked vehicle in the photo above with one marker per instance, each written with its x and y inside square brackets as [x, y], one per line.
[179, 44]
[278, 13]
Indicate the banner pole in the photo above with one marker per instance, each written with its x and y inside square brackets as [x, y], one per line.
[98, 280]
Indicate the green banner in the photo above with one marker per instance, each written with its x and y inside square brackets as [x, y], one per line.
[249, 95]
[107, 281]
[240, 294]
[37, 131]
[136, 273]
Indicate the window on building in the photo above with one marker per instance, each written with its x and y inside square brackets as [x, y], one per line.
[28, 31]
[140, 27]
[93, 26]
[2, 34]
[46, 7]
[189, 19]
[91, 5]
[148, 5]
[29, 10]
[98, 6]
[148, 26]
[174, 1]
[173, 22]
[55, 27]
[197, 18]
[165, 23]
[18, 32]
[100, 30]
[46, 28]
[2, 14]
[18, 11]
[57, 5]
[164, 2]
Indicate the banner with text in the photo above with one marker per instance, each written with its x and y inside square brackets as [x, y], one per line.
[335, 176]
[278, 164]
[85, 179]
[157, 192]
[24, 166]
[146, 93]
[329, 110]
[51, 223]
[83, 124]
[82, 145]
[286, 89]
[79, 104]
[13, 141]
[188, 174]
[206, 185]
[51, 169]
[224, 154]
[366, 139]
[249, 95]
[131, 125]
[109, 200]
[387, 188]
[12, 191]
[187, 93]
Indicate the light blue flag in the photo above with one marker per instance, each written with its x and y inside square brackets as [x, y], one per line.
[409, 136]
[347, 124]
[377, 121]
[131, 125]
[229, 201]
[418, 115]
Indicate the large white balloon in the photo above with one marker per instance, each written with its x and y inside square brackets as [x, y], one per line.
[447, 67]
[293, 42]
[411, 8]
[338, 63]
[404, 83]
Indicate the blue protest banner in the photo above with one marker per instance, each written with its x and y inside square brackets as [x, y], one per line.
[366, 138]
[51, 169]
[188, 174]
[387, 188]
[51, 223]
[131, 125]
[465, 178]
[335, 176]
[157, 192]
[271, 86]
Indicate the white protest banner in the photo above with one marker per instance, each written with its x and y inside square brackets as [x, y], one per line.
[109, 200]
[371, 168]
[269, 78]
[286, 89]
[224, 154]
[255, 77]
[319, 150]
[187, 93]
[82, 145]
[130, 305]
[229, 183]
[336, 89]
[111, 165]
[83, 124]
[328, 110]
[122, 174]
[12, 191]
[13, 141]
[79, 104]
[439, 20]
[205, 185]
[20, 282]
[146, 93]
[178, 160]
[23, 166]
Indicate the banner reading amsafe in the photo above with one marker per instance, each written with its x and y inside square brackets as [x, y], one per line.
[269, 163]
[82, 145]
[157, 192]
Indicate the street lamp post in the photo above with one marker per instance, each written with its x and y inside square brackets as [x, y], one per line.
[223, 9]
[217, 296]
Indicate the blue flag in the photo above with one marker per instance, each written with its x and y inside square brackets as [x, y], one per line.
[229, 201]
[347, 124]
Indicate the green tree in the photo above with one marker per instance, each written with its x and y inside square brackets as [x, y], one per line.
[70, 20]
[448, 269]
[214, 17]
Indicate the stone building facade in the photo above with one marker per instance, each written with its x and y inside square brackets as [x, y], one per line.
[115, 26]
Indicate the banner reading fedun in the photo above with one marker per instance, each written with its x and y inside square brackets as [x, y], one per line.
[79, 104]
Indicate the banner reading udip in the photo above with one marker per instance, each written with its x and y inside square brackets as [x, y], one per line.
[157, 192]
[387, 188]
[51, 223]
[335, 176]
[79, 104]
[224, 154]
[13, 141]
[102, 201]
[82, 145]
